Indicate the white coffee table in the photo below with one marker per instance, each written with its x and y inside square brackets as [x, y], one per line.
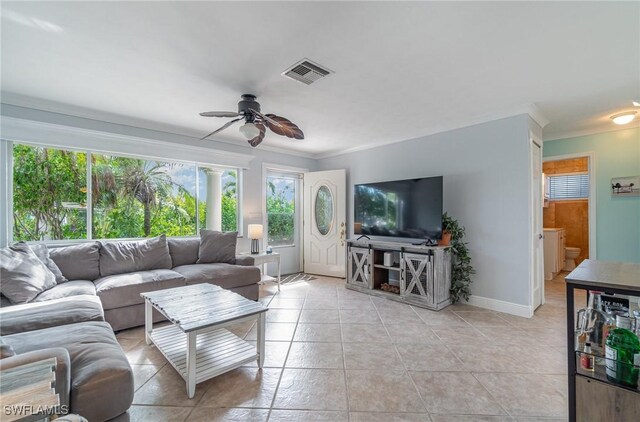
[196, 343]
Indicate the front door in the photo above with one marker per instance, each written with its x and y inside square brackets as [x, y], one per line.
[325, 195]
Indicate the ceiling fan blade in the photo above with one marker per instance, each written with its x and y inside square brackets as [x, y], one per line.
[256, 141]
[266, 117]
[285, 127]
[223, 127]
[219, 114]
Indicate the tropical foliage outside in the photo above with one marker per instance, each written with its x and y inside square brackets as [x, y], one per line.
[129, 197]
[280, 211]
[42, 179]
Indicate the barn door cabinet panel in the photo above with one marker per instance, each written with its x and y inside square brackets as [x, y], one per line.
[359, 273]
[418, 275]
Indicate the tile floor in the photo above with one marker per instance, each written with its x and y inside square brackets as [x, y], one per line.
[338, 355]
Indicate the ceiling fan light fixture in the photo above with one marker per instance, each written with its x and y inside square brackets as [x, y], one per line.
[249, 131]
[624, 118]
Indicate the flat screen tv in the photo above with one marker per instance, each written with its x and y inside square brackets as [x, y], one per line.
[402, 208]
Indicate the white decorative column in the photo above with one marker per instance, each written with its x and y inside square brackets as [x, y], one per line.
[214, 199]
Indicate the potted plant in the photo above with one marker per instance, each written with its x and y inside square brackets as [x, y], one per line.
[446, 238]
[462, 269]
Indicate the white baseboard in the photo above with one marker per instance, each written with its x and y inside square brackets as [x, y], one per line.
[501, 306]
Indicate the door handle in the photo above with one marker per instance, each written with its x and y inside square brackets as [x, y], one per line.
[540, 236]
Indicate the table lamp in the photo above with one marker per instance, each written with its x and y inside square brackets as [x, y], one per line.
[255, 234]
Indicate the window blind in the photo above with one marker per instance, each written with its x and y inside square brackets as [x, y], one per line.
[569, 186]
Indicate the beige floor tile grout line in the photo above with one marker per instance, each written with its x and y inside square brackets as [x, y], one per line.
[284, 364]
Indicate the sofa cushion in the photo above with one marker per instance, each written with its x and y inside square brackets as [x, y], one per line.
[101, 377]
[39, 315]
[184, 251]
[247, 260]
[223, 275]
[134, 255]
[116, 291]
[22, 275]
[70, 288]
[78, 262]
[42, 252]
[217, 247]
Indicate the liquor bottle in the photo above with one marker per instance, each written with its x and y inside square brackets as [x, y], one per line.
[622, 352]
[586, 358]
[593, 323]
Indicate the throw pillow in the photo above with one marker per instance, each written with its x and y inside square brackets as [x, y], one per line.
[184, 251]
[78, 262]
[22, 275]
[217, 247]
[137, 255]
[42, 252]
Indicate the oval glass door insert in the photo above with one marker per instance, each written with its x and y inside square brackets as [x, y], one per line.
[324, 210]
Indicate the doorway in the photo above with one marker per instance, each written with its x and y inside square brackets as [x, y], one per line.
[537, 291]
[325, 227]
[282, 210]
[568, 213]
[304, 216]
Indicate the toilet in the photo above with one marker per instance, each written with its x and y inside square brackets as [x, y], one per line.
[570, 255]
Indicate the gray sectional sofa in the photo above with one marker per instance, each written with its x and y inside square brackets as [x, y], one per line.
[75, 320]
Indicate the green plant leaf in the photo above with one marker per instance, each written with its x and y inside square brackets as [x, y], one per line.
[462, 268]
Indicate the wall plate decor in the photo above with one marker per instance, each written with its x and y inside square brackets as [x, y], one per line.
[625, 186]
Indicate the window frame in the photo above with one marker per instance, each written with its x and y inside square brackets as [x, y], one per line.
[7, 188]
[295, 177]
[573, 198]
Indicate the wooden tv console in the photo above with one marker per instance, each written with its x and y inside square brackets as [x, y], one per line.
[421, 275]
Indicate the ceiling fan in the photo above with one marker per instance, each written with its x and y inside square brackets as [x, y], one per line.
[254, 127]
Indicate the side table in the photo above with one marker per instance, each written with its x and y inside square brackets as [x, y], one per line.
[27, 392]
[261, 259]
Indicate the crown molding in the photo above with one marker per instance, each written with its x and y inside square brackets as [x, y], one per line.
[534, 112]
[62, 136]
[68, 110]
[557, 136]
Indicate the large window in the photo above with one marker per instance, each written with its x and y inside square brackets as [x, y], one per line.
[281, 210]
[128, 197]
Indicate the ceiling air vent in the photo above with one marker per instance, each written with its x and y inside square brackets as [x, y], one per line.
[306, 71]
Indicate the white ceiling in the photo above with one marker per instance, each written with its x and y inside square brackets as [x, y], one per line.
[402, 70]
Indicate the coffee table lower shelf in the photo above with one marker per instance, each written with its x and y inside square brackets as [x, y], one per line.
[217, 351]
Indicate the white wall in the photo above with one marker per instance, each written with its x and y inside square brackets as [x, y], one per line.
[486, 187]
[252, 177]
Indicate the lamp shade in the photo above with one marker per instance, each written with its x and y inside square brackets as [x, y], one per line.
[249, 130]
[255, 231]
